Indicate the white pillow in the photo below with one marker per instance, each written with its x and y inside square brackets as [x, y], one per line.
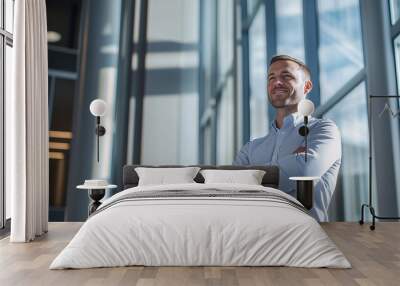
[248, 177]
[163, 176]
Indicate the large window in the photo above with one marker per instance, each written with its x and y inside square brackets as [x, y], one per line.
[397, 57]
[225, 92]
[325, 34]
[225, 126]
[350, 115]
[6, 43]
[289, 28]
[394, 10]
[396, 42]
[251, 6]
[171, 100]
[395, 33]
[218, 85]
[225, 37]
[341, 61]
[340, 46]
[258, 75]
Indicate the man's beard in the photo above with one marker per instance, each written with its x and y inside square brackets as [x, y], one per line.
[278, 103]
[288, 102]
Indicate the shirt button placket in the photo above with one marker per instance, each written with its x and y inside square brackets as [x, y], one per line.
[276, 147]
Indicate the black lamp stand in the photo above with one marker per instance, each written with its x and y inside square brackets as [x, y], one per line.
[305, 193]
[96, 195]
[303, 131]
[369, 205]
[100, 131]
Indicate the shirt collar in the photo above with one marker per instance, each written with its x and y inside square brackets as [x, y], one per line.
[291, 120]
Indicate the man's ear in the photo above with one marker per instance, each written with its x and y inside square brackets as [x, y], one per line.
[307, 86]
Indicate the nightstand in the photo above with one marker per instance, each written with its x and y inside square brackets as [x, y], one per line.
[305, 190]
[96, 191]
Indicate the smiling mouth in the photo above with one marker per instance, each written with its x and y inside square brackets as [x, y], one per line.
[278, 91]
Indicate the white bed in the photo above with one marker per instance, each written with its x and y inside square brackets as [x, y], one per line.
[236, 229]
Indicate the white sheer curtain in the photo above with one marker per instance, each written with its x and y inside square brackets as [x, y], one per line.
[27, 124]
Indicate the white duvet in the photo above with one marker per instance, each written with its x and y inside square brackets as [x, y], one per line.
[200, 231]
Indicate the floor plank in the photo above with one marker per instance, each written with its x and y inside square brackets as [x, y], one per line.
[374, 255]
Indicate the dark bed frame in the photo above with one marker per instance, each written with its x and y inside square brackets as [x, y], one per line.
[271, 178]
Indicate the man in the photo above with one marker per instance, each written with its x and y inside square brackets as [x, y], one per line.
[289, 82]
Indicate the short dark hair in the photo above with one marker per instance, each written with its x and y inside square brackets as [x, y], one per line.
[302, 65]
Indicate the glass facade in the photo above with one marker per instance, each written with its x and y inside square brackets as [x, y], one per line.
[394, 10]
[289, 39]
[396, 46]
[170, 108]
[225, 37]
[251, 5]
[395, 18]
[232, 75]
[350, 115]
[9, 15]
[289, 28]
[340, 44]
[8, 90]
[6, 66]
[258, 75]
[225, 126]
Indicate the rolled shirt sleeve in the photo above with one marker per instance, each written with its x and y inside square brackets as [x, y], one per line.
[323, 158]
[323, 154]
[324, 148]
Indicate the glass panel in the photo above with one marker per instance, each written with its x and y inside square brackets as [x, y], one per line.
[2, 140]
[225, 36]
[394, 10]
[225, 126]
[340, 51]
[251, 4]
[208, 145]
[8, 90]
[258, 71]
[350, 115]
[1, 14]
[397, 56]
[289, 25]
[170, 105]
[209, 21]
[9, 15]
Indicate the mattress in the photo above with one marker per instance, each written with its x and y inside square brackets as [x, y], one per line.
[201, 225]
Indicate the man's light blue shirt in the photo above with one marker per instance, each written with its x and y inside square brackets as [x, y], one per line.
[323, 157]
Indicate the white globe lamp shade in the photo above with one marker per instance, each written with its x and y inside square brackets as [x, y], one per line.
[305, 107]
[98, 107]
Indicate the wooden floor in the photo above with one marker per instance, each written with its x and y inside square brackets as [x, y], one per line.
[374, 255]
